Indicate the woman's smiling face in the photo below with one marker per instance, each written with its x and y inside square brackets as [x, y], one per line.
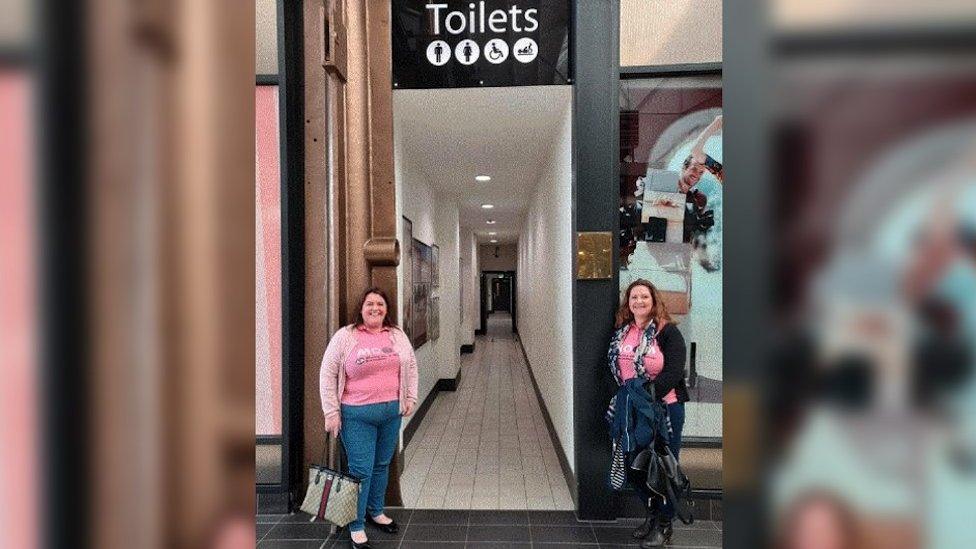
[640, 301]
[374, 310]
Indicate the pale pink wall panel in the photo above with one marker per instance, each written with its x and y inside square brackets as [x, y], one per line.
[268, 258]
[18, 357]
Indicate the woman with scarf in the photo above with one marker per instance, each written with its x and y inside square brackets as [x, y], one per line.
[647, 344]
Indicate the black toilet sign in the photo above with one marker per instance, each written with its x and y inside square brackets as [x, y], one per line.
[460, 44]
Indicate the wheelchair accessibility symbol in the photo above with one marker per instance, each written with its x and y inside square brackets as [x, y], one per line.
[496, 51]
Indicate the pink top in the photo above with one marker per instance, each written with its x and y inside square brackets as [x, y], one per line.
[653, 359]
[332, 375]
[372, 369]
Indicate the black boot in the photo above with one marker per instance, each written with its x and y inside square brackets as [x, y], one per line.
[660, 535]
[643, 530]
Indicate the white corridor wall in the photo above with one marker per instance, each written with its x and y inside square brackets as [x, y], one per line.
[545, 283]
[435, 220]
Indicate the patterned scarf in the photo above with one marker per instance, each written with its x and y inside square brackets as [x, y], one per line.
[646, 341]
[613, 357]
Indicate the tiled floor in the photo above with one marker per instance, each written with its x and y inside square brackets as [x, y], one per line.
[443, 529]
[486, 445]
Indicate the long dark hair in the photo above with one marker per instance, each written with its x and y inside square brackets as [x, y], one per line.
[359, 312]
[659, 312]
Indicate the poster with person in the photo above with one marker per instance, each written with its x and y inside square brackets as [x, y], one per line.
[671, 183]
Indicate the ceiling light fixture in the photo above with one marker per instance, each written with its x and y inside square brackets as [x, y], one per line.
[487, 206]
[493, 233]
[494, 240]
[482, 178]
[491, 221]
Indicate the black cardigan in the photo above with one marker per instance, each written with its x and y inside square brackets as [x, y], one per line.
[672, 345]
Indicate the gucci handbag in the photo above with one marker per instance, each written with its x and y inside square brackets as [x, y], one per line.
[331, 495]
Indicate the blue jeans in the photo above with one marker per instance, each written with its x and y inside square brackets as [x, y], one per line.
[676, 414]
[370, 434]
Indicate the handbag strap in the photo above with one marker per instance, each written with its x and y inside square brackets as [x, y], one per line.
[332, 447]
[329, 445]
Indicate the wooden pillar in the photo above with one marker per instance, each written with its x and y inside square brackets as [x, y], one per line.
[349, 181]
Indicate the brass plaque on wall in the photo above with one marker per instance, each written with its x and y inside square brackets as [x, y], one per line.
[594, 259]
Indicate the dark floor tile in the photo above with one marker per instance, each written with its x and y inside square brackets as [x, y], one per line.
[261, 529]
[568, 545]
[701, 509]
[615, 536]
[626, 521]
[439, 516]
[566, 518]
[562, 534]
[298, 518]
[717, 513]
[292, 544]
[268, 519]
[496, 545]
[373, 543]
[317, 530]
[399, 514]
[698, 525]
[499, 517]
[384, 540]
[697, 538]
[431, 545]
[375, 533]
[435, 532]
[483, 532]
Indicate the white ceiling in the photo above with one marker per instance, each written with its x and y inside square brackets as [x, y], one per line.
[454, 135]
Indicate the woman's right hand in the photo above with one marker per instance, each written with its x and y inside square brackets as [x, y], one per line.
[333, 425]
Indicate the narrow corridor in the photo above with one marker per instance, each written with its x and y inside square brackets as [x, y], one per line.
[486, 446]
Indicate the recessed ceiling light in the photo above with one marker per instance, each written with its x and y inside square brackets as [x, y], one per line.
[482, 178]
[494, 240]
[493, 233]
[487, 206]
[490, 222]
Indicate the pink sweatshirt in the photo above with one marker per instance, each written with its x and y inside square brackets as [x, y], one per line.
[332, 375]
[372, 369]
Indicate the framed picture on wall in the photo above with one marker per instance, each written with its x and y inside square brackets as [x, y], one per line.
[406, 260]
[420, 280]
[434, 321]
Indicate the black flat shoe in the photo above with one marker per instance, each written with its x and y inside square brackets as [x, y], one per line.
[390, 528]
[363, 545]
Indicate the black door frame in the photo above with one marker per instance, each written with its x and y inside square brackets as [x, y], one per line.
[483, 306]
[502, 282]
[291, 145]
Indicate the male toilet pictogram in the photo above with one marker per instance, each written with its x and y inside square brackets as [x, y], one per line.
[438, 53]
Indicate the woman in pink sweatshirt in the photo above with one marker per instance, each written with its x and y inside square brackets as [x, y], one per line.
[368, 382]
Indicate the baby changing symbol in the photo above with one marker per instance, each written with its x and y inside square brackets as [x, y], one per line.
[525, 50]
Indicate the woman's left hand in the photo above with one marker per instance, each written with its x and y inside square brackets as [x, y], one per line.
[408, 409]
